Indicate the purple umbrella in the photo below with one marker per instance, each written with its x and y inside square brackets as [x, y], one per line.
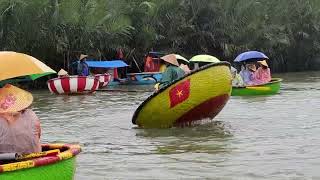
[251, 55]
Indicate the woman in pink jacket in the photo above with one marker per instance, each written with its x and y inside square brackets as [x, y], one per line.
[19, 126]
[263, 75]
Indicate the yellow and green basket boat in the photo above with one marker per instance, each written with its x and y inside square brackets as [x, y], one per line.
[56, 161]
[197, 96]
[271, 88]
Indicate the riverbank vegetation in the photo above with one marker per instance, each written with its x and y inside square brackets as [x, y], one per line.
[57, 31]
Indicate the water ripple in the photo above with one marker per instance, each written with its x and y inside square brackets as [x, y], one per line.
[268, 137]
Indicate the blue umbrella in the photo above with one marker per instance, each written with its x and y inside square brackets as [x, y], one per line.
[251, 55]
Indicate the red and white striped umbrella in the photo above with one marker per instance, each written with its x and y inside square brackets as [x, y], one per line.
[73, 84]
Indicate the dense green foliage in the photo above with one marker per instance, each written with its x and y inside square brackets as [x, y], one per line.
[55, 30]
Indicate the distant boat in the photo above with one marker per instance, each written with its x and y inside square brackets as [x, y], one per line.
[151, 74]
[144, 78]
[100, 68]
[270, 88]
[73, 85]
[202, 94]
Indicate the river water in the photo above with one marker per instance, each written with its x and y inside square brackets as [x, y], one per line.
[267, 137]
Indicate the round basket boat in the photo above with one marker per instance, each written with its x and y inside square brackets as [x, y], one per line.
[104, 79]
[73, 85]
[197, 96]
[271, 88]
[45, 165]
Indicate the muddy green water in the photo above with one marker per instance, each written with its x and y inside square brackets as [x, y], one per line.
[267, 137]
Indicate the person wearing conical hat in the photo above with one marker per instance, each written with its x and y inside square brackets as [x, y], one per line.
[248, 74]
[263, 74]
[184, 63]
[19, 126]
[62, 73]
[83, 68]
[236, 78]
[172, 71]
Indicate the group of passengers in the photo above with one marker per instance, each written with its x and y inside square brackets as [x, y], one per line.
[20, 127]
[251, 74]
[173, 67]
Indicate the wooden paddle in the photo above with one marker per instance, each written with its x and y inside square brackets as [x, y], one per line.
[37, 155]
[259, 88]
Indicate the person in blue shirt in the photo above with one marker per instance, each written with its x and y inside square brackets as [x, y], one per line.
[83, 68]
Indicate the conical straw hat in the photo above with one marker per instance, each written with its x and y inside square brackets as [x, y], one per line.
[252, 67]
[62, 72]
[82, 56]
[170, 58]
[263, 63]
[14, 99]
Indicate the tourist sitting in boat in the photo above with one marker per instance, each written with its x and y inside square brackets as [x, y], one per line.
[236, 78]
[19, 126]
[248, 74]
[184, 64]
[263, 74]
[197, 65]
[62, 73]
[185, 68]
[172, 71]
[83, 68]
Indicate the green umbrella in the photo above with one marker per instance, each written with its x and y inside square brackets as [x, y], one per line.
[36, 76]
[31, 77]
[204, 58]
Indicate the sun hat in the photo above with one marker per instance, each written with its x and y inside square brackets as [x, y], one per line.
[252, 67]
[263, 63]
[82, 56]
[170, 58]
[14, 99]
[62, 72]
[179, 57]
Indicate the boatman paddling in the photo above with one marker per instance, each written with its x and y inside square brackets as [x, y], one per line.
[83, 68]
[172, 72]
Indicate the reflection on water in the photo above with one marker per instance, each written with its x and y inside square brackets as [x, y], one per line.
[266, 137]
[199, 139]
[215, 129]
